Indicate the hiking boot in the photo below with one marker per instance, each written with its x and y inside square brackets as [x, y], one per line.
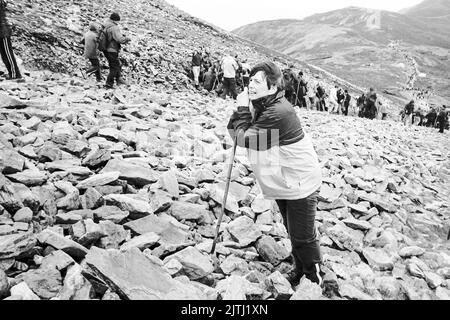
[294, 277]
[17, 79]
[121, 82]
[317, 276]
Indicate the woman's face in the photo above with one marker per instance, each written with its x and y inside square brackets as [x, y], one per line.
[257, 87]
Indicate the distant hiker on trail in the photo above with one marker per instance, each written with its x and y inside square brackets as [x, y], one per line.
[245, 72]
[321, 95]
[302, 91]
[90, 51]
[383, 111]
[340, 100]
[347, 99]
[332, 100]
[312, 95]
[110, 40]
[431, 118]
[6, 49]
[370, 104]
[290, 85]
[229, 68]
[442, 119]
[408, 114]
[209, 79]
[284, 162]
[196, 65]
[360, 105]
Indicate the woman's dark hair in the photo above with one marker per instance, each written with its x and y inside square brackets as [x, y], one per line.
[273, 74]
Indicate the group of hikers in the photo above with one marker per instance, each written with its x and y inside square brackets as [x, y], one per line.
[434, 118]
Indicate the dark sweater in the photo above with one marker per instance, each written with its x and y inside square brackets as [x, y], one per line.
[271, 113]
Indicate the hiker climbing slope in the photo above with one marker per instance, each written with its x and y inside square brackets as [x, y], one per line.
[6, 49]
[284, 161]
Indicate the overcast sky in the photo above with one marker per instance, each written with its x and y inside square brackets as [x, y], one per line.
[231, 14]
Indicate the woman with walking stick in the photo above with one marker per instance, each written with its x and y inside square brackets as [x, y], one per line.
[284, 162]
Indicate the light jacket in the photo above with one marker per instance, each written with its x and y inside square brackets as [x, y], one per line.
[281, 155]
[229, 67]
[90, 45]
[114, 33]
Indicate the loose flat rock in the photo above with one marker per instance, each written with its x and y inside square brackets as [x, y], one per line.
[357, 224]
[349, 291]
[111, 213]
[271, 251]
[244, 230]
[346, 237]
[141, 242]
[29, 177]
[99, 180]
[413, 251]
[188, 211]
[279, 286]
[195, 264]
[46, 283]
[14, 245]
[307, 290]
[133, 173]
[24, 292]
[23, 215]
[165, 228]
[130, 273]
[75, 286]
[128, 203]
[57, 260]
[57, 241]
[378, 259]
[237, 288]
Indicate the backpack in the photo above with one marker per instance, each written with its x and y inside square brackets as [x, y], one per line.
[103, 40]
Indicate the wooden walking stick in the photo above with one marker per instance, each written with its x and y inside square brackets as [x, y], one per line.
[225, 195]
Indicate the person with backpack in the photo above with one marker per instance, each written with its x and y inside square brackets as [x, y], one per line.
[282, 157]
[409, 111]
[321, 95]
[290, 85]
[196, 65]
[90, 41]
[6, 49]
[245, 73]
[302, 91]
[347, 99]
[110, 41]
[229, 67]
[442, 119]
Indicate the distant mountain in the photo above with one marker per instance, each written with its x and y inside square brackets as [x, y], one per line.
[389, 50]
[435, 13]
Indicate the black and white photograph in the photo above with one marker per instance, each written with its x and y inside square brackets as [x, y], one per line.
[229, 157]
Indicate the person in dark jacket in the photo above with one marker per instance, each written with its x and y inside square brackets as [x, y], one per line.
[442, 119]
[196, 65]
[116, 37]
[347, 99]
[370, 104]
[209, 78]
[408, 114]
[321, 95]
[6, 49]
[284, 162]
[302, 91]
[90, 51]
[431, 118]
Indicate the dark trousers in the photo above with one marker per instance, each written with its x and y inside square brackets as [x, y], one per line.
[246, 81]
[115, 68]
[299, 218]
[229, 87]
[345, 110]
[95, 68]
[8, 57]
[441, 125]
[301, 102]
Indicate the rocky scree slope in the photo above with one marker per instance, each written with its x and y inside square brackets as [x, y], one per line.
[115, 195]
